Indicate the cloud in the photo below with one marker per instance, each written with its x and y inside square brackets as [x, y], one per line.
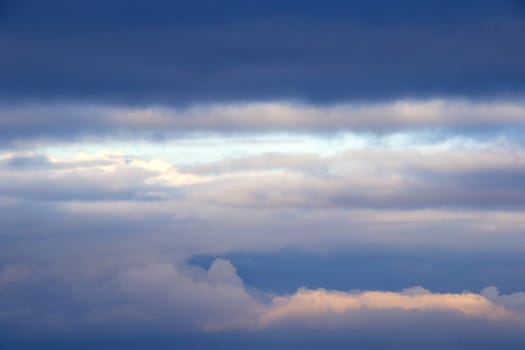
[390, 133]
[515, 301]
[435, 196]
[309, 306]
[109, 176]
[161, 296]
[63, 121]
[13, 273]
[487, 176]
[178, 53]
[372, 178]
[181, 296]
[123, 293]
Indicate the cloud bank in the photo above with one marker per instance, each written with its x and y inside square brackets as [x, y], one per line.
[173, 52]
[67, 122]
[164, 296]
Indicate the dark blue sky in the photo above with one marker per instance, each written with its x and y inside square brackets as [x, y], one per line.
[377, 268]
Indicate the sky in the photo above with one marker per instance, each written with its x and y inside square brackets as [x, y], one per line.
[262, 174]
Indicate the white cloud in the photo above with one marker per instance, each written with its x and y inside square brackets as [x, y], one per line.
[311, 307]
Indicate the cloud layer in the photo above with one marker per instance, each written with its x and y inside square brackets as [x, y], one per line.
[165, 297]
[59, 121]
[487, 175]
[175, 52]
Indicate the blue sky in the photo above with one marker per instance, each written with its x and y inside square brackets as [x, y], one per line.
[243, 174]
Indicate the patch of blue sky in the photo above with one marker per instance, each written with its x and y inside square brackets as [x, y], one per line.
[204, 148]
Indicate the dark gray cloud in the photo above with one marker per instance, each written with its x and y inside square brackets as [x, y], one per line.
[178, 53]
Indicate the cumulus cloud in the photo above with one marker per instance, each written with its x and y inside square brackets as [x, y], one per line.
[126, 294]
[514, 301]
[184, 297]
[168, 296]
[314, 307]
